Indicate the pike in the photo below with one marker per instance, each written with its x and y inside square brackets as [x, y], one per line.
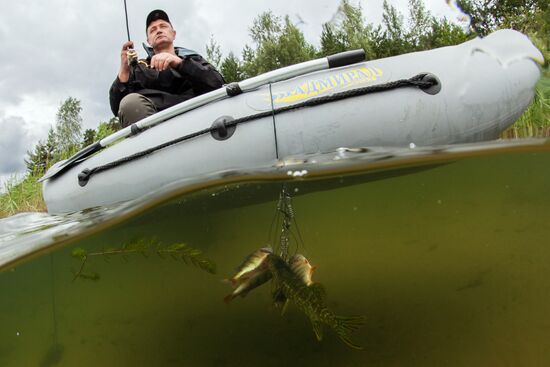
[310, 300]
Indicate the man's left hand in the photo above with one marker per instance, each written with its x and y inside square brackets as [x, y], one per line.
[165, 60]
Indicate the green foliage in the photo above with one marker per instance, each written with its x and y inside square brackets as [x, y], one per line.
[521, 15]
[278, 43]
[145, 247]
[421, 32]
[390, 39]
[231, 69]
[21, 196]
[292, 46]
[107, 128]
[42, 156]
[88, 138]
[349, 33]
[213, 53]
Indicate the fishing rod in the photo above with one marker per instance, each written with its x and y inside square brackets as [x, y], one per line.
[131, 53]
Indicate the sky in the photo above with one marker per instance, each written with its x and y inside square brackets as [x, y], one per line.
[57, 49]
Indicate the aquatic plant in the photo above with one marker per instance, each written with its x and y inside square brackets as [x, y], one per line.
[175, 251]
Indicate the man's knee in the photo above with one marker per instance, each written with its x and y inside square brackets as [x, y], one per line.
[135, 107]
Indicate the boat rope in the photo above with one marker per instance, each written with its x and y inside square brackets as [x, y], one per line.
[424, 81]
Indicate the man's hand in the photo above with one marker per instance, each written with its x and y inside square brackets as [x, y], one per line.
[165, 60]
[124, 70]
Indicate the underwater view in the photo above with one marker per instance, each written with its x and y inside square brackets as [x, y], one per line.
[416, 257]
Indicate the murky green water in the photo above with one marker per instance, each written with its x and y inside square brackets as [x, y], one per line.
[450, 267]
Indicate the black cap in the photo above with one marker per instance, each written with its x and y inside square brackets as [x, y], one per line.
[156, 15]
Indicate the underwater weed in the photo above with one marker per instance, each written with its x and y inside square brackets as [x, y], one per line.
[176, 251]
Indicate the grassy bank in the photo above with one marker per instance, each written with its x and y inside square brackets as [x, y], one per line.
[21, 196]
[536, 120]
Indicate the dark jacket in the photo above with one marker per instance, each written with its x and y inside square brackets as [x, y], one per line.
[195, 76]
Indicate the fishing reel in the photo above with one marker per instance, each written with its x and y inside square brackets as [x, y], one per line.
[132, 56]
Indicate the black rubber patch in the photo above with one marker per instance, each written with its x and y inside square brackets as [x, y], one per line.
[220, 130]
[436, 84]
[233, 89]
[84, 177]
[134, 129]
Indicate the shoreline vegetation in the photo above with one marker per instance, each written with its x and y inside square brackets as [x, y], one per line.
[277, 42]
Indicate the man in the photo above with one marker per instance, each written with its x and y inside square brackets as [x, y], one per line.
[170, 75]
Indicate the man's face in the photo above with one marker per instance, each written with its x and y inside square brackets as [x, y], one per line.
[159, 33]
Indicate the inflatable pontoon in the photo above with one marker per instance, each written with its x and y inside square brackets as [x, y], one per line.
[458, 94]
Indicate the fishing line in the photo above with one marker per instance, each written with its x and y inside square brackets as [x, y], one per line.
[274, 125]
[271, 234]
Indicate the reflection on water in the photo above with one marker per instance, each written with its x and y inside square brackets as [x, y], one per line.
[449, 266]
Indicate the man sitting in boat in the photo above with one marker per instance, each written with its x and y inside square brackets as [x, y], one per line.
[168, 76]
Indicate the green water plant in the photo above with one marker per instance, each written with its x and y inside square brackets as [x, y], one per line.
[146, 248]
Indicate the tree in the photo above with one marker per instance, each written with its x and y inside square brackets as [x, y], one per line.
[390, 38]
[445, 33]
[89, 137]
[43, 155]
[420, 26]
[249, 66]
[421, 31]
[348, 32]
[68, 128]
[231, 68]
[278, 43]
[36, 159]
[106, 128]
[213, 52]
[522, 15]
[292, 47]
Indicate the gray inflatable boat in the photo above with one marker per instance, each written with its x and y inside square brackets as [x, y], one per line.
[459, 94]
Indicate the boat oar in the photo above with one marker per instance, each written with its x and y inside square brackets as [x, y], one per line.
[337, 60]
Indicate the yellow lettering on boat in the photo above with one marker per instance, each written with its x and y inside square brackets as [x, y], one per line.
[335, 82]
